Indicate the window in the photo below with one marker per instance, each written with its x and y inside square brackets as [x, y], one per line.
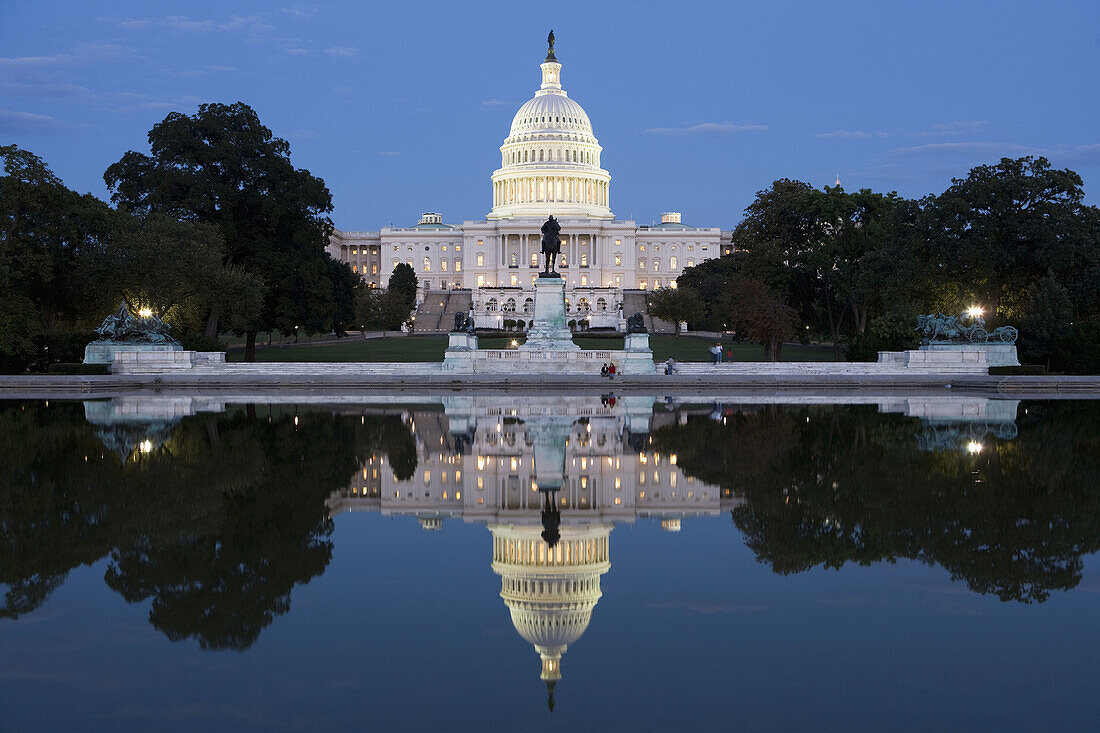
[444, 248]
[510, 305]
[395, 264]
[584, 259]
[618, 281]
[354, 268]
[656, 265]
[534, 259]
[641, 265]
[458, 248]
[513, 260]
[458, 265]
[642, 284]
[584, 281]
[491, 306]
[374, 269]
[641, 248]
[601, 304]
[618, 259]
[443, 265]
[395, 248]
[672, 284]
[354, 251]
[691, 262]
[672, 262]
[515, 280]
[427, 264]
[564, 262]
[656, 283]
[480, 259]
[481, 281]
[528, 304]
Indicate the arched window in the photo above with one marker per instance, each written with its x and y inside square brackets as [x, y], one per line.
[540, 155]
[514, 260]
[524, 156]
[528, 305]
[618, 259]
[563, 262]
[601, 304]
[534, 259]
[510, 305]
[584, 259]
[427, 264]
[491, 306]
[672, 262]
[641, 264]
[656, 264]
[582, 305]
[480, 259]
[567, 305]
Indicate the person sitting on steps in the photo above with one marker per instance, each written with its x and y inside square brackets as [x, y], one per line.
[611, 371]
[603, 371]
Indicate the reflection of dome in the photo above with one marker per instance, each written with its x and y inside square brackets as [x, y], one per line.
[550, 161]
[550, 592]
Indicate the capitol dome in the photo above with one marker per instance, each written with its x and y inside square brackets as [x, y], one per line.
[550, 161]
[550, 591]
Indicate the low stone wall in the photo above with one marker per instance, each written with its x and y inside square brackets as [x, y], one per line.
[159, 362]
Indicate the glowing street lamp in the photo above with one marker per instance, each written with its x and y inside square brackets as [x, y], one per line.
[145, 312]
[974, 311]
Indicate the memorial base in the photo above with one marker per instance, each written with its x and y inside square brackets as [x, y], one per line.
[996, 355]
[549, 331]
[103, 352]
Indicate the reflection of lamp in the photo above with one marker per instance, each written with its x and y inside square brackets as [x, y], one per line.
[974, 447]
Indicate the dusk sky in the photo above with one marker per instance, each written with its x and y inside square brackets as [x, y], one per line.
[401, 106]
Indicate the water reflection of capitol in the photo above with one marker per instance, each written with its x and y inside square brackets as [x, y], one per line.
[550, 478]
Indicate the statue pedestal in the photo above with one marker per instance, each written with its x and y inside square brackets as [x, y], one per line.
[461, 341]
[549, 331]
[996, 354]
[103, 352]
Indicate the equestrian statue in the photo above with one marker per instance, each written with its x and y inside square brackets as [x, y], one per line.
[551, 246]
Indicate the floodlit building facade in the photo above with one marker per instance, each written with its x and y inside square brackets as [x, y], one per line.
[550, 163]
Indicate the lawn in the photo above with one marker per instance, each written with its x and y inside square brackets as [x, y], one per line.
[431, 348]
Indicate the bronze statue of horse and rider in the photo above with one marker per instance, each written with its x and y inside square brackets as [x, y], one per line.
[551, 246]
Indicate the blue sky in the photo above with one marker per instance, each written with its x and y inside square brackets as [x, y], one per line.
[401, 106]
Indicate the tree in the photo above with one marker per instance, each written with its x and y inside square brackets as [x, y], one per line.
[222, 167]
[403, 282]
[1046, 322]
[710, 280]
[1005, 226]
[676, 305]
[346, 286]
[385, 310]
[759, 315]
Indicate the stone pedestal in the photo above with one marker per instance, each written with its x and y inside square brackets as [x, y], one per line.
[461, 351]
[461, 341]
[103, 352]
[637, 357]
[996, 354]
[549, 331]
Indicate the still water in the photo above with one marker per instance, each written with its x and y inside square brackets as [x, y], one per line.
[535, 563]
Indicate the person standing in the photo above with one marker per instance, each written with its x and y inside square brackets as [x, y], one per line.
[716, 352]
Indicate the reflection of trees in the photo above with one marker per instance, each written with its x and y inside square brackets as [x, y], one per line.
[826, 486]
[216, 525]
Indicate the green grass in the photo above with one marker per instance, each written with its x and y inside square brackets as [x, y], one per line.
[431, 348]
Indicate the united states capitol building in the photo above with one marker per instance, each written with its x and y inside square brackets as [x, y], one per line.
[550, 163]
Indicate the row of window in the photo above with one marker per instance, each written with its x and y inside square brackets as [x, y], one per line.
[563, 155]
[509, 306]
[443, 265]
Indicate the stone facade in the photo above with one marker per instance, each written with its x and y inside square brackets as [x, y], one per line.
[550, 163]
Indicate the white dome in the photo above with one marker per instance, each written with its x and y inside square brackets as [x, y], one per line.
[553, 113]
[550, 161]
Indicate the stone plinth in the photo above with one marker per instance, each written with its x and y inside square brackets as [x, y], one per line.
[461, 341]
[549, 331]
[103, 352]
[165, 362]
[996, 354]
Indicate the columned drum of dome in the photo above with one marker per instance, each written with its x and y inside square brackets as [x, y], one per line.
[550, 161]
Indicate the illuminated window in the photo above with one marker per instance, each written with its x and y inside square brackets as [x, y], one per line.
[641, 265]
[444, 248]
[656, 265]
[458, 265]
[481, 281]
[672, 262]
[584, 259]
[584, 280]
[427, 265]
[641, 248]
[691, 262]
[458, 248]
[480, 259]
[354, 268]
[618, 259]
[515, 280]
[534, 259]
[443, 265]
[642, 285]
[427, 477]
[374, 269]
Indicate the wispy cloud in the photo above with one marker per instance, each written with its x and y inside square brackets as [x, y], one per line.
[145, 102]
[707, 608]
[965, 149]
[184, 24]
[296, 50]
[495, 103]
[389, 153]
[81, 55]
[27, 123]
[941, 129]
[345, 52]
[212, 69]
[708, 128]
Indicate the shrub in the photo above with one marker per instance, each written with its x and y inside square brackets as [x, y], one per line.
[63, 367]
[1080, 353]
[890, 332]
[1024, 370]
[52, 347]
[572, 324]
[198, 342]
[520, 324]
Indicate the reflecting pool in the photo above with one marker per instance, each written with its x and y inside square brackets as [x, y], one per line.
[546, 562]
